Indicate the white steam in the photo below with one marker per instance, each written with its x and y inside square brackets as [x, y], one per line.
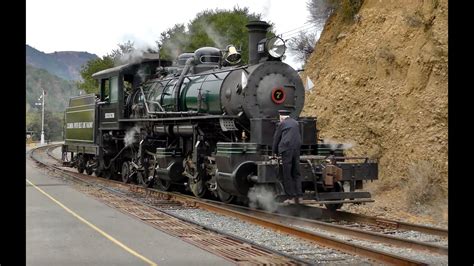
[131, 57]
[266, 10]
[135, 53]
[130, 136]
[215, 37]
[173, 45]
[333, 145]
[263, 197]
[141, 73]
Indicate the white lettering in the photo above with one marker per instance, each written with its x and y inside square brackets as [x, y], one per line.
[80, 125]
[109, 115]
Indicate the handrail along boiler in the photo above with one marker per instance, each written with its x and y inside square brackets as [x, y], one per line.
[205, 124]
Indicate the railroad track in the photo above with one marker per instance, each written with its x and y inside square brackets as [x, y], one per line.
[229, 247]
[339, 229]
[299, 227]
[49, 150]
[384, 223]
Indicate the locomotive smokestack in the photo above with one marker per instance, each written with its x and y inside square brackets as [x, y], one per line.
[257, 31]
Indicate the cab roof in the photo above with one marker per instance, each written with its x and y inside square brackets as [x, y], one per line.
[130, 68]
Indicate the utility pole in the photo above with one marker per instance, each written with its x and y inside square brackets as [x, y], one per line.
[42, 122]
[42, 115]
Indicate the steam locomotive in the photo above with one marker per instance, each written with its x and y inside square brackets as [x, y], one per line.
[205, 124]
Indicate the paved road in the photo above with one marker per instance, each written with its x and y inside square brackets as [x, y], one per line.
[66, 227]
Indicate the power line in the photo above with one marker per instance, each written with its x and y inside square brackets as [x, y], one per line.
[301, 30]
[298, 32]
[304, 25]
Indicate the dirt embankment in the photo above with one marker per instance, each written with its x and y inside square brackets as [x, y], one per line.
[381, 83]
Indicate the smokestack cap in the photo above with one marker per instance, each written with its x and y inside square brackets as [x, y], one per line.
[257, 25]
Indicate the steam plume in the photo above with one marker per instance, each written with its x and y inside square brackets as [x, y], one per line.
[133, 56]
[263, 197]
[216, 38]
[130, 136]
[333, 145]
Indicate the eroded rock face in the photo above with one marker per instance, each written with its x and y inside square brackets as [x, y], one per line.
[381, 82]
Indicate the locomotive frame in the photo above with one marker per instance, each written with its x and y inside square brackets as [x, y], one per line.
[206, 125]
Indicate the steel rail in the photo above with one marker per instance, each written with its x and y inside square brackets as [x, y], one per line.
[340, 229]
[331, 242]
[50, 148]
[354, 217]
[327, 241]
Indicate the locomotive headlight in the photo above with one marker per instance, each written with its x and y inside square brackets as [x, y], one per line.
[276, 47]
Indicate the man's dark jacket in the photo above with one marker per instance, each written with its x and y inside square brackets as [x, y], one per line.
[287, 136]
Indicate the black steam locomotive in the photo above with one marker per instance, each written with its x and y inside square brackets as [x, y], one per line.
[205, 124]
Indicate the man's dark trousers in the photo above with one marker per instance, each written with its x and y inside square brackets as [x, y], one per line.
[291, 172]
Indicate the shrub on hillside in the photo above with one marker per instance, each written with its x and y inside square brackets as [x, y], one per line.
[424, 184]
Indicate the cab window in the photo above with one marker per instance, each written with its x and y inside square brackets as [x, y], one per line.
[114, 89]
[109, 89]
[104, 90]
[127, 85]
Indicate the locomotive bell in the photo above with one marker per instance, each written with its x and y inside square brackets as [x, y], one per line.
[233, 57]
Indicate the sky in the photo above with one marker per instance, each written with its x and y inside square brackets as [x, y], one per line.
[97, 26]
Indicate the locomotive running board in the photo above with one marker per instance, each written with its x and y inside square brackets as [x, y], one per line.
[201, 117]
[336, 201]
[338, 195]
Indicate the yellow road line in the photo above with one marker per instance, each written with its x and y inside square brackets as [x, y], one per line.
[129, 250]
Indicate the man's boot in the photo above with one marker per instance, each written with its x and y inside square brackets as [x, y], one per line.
[299, 200]
[289, 201]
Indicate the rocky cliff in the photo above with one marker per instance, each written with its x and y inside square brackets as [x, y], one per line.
[381, 84]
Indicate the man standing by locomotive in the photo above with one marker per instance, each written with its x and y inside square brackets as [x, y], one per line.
[287, 143]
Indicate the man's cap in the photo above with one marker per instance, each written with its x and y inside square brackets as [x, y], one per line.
[284, 112]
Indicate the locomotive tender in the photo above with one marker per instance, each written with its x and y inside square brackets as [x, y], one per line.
[206, 125]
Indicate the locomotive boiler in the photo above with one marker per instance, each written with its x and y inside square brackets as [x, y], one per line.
[205, 124]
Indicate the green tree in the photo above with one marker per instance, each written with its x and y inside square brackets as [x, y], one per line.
[173, 42]
[124, 48]
[53, 125]
[89, 84]
[216, 28]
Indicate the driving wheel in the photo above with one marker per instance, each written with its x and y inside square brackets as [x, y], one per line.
[143, 179]
[126, 172]
[224, 196]
[81, 165]
[197, 186]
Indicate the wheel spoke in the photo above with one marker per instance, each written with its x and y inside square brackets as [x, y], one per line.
[80, 163]
[126, 172]
[224, 196]
[198, 187]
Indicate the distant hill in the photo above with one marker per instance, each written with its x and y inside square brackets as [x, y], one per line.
[58, 90]
[65, 65]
